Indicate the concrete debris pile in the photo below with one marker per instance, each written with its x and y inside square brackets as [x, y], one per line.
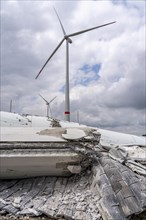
[106, 183]
[70, 198]
[121, 192]
[108, 191]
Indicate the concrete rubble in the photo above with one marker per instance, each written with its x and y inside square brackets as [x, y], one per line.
[108, 191]
[107, 184]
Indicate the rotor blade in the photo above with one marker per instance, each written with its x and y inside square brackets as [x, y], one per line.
[44, 99]
[90, 29]
[52, 99]
[50, 57]
[60, 22]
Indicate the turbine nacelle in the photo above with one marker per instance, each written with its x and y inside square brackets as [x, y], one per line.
[68, 39]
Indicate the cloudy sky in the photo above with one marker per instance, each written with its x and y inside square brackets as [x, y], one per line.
[107, 65]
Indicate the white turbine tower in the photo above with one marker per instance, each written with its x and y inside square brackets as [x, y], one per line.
[68, 40]
[48, 105]
[11, 105]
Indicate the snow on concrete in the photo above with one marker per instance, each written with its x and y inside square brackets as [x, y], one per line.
[29, 134]
[74, 134]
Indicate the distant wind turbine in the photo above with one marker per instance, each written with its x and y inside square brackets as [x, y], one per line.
[11, 105]
[68, 40]
[48, 105]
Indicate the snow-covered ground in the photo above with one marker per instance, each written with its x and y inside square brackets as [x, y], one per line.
[12, 123]
[8, 119]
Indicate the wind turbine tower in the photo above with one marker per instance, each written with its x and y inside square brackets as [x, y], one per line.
[68, 41]
[48, 105]
[11, 105]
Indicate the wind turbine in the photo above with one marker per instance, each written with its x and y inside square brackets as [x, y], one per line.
[68, 40]
[11, 105]
[48, 105]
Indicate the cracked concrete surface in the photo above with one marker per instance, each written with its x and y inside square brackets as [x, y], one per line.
[105, 189]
